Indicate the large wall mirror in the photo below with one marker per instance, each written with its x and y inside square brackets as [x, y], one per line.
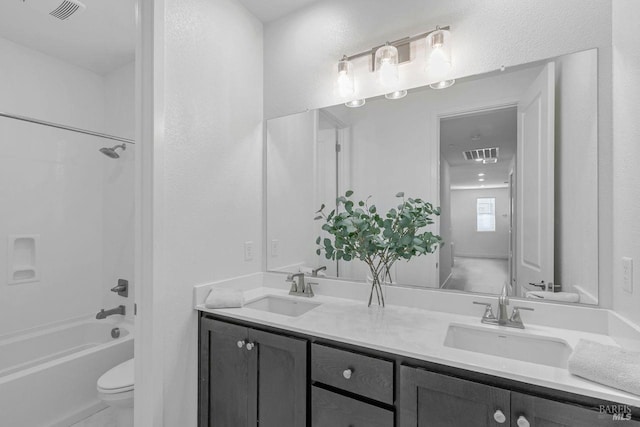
[511, 157]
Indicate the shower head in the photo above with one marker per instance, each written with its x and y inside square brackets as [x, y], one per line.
[111, 152]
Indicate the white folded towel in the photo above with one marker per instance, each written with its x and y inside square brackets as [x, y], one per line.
[224, 298]
[606, 364]
[554, 296]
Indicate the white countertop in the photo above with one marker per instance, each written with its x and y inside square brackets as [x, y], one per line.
[416, 333]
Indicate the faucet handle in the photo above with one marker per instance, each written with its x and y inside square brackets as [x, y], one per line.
[515, 314]
[488, 310]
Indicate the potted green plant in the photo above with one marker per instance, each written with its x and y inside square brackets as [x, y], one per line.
[359, 232]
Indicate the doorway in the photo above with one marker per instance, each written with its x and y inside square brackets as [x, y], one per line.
[478, 151]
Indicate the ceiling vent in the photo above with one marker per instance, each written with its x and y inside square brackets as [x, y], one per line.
[60, 9]
[481, 154]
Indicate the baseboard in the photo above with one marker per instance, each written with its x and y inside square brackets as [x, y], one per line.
[80, 415]
[444, 284]
[481, 255]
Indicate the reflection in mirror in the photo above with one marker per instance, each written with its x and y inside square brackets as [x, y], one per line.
[510, 157]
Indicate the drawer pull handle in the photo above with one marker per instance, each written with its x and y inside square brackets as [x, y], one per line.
[240, 343]
[499, 417]
[523, 422]
[250, 346]
[347, 373]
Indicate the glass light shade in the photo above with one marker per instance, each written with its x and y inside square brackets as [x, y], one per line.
[442, 85]
[346, 79]
[398, 94]
[355, 103]
[439, 54]
[386, 63]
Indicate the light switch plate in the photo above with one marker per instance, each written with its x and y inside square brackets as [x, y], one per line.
[627, 274]
[275, 248]
[248, 251]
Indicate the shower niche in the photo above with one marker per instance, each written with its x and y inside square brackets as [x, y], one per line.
[23, 260]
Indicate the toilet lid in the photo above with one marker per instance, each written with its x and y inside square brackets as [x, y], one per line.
[117, 379]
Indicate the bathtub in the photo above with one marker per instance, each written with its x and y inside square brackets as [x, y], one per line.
[48, 375]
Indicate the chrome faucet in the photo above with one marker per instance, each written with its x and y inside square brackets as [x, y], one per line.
[315, 271]
[298, 287]
[121, 309]
[515, 321]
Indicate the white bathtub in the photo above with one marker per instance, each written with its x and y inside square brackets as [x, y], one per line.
[48, 376]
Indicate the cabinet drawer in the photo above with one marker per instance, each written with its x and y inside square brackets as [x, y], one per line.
[366, 376]
[333, 410]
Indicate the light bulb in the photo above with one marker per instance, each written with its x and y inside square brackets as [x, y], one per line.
[346, 79]
[439, 54]
[398, 94]
[386, 62]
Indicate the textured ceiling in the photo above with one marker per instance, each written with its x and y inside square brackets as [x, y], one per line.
[270, 10]
[100, 39]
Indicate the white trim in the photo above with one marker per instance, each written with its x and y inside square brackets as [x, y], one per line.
[482, 255]
[585, 297]
[149, 379]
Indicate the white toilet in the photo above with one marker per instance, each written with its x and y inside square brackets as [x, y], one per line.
[115, 388]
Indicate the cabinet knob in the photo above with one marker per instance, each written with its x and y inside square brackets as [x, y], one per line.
[240, 343]
[347, 373]
[523, 422]
[499, 417]
[250, 346]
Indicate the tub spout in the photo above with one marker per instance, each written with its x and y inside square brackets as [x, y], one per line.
[121, 309]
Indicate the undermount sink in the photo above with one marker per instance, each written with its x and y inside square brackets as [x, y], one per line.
[512, 345]
[284, 306]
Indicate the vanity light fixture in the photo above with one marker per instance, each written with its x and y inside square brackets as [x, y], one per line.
[398, 94]
[355, 103]
[386, 65]
[346, 79]
[386, 58]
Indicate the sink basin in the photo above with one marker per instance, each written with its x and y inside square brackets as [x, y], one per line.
[284, 306]
[512, 345]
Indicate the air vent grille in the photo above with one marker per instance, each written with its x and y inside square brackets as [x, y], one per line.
[65, 10]
[482, 154]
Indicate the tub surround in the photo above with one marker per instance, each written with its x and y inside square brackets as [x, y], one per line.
[414, 325]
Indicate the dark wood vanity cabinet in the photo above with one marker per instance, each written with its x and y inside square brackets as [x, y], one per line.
[431, 399]
[249, 377]
[252, 375]
[350, 389]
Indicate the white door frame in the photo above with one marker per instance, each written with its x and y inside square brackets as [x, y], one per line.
[435, 120]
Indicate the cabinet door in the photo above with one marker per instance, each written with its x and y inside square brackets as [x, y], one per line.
[282, 379]
[428, 399]
[227, 376]
[538, 412]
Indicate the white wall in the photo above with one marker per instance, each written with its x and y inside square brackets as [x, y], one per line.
[118, 194]
[302, 49]
[51, 185]
[468, 241]
[576, 216]
[207, 185]
[626, 151]
[291, 200]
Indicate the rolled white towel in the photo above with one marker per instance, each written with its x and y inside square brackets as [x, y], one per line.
[554, 296]
[224, 298]
[606, 364]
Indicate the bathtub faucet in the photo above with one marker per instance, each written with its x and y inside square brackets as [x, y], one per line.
[121, 309]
